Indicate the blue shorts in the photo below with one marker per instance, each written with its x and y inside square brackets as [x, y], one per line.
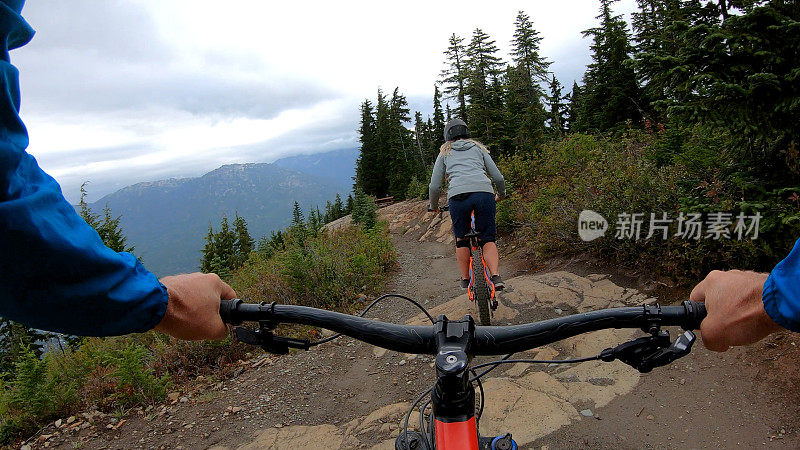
[482, 203]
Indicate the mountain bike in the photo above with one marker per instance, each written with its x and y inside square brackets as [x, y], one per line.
[454, 419]
[481, 289]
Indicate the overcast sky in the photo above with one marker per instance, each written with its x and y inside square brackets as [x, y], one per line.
[121, 91]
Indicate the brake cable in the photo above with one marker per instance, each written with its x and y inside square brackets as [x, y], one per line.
[411, 410]
[375, 302]
[480, 409]
[532, 361]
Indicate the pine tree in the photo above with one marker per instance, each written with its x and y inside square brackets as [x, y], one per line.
[574, 107]
[85, 211]
[484, 68]
[498, 114]
[338, 207]
[368, 174]
[208, 252]
[107, 226]
[421, 139]
[111, 232]
[224, 250]
[221, 267]
[611, 94]
[16, 340]
[384, 136]
[269, 246]
[526, 121]
[228, 249]
[298, 220]
[659, 29]
[525, 52]
[314, 222]
[437, 127]
[434, 142]
[364, 210]
[557, 108]
[402, 162]
[348, 206]
[244, 242]
[731, 65]
[298, 231]
[328, 217]
[454, 77]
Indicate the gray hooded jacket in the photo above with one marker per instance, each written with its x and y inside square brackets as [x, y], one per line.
[466, 168]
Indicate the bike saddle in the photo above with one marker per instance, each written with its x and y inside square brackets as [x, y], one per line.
[471, 234]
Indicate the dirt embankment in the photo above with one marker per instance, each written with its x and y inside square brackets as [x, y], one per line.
[347, 394]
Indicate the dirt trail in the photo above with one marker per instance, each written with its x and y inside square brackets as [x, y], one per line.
[347, 394]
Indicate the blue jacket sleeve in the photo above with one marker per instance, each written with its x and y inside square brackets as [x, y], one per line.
[55, 272]
[782, 291]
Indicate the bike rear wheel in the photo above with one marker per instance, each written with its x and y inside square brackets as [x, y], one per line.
[480, 287]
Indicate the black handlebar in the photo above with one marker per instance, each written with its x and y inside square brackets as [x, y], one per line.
[488, 340]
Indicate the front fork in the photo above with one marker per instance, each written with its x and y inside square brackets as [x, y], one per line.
[417, 442]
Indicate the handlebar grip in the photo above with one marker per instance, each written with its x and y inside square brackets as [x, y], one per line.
[228, 310]
[695, 313]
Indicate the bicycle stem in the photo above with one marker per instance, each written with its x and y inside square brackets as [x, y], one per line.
[453, 396]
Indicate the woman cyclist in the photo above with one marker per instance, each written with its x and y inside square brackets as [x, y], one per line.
[466, 163]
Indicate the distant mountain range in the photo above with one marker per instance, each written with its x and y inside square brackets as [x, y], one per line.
[338, 165]
[167, 220]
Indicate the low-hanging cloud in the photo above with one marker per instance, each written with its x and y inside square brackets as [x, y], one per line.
[121, 91]
[101, 56]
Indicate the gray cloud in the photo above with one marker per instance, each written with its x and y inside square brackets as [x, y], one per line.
[86, 156]
[93, 56]
[87, 84]
[115, 29]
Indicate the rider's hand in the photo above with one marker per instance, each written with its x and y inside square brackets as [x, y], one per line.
[193, 308]
[496, 198]
[736, 313]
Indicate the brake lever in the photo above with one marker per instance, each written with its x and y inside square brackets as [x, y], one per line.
[646, 353]
[264, 338]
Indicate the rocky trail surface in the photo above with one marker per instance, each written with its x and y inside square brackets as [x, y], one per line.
[347, 394]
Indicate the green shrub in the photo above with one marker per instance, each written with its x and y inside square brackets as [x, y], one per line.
[328, 272]
[26, 398]
[136, 383]
[672, 171]
[417, 189]
[187, 359]
[105, 373]
[364, 210]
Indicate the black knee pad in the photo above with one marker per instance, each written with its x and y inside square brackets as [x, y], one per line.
[483, 242]
[462, 243]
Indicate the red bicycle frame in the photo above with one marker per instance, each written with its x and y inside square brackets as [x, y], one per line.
[456, 435]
